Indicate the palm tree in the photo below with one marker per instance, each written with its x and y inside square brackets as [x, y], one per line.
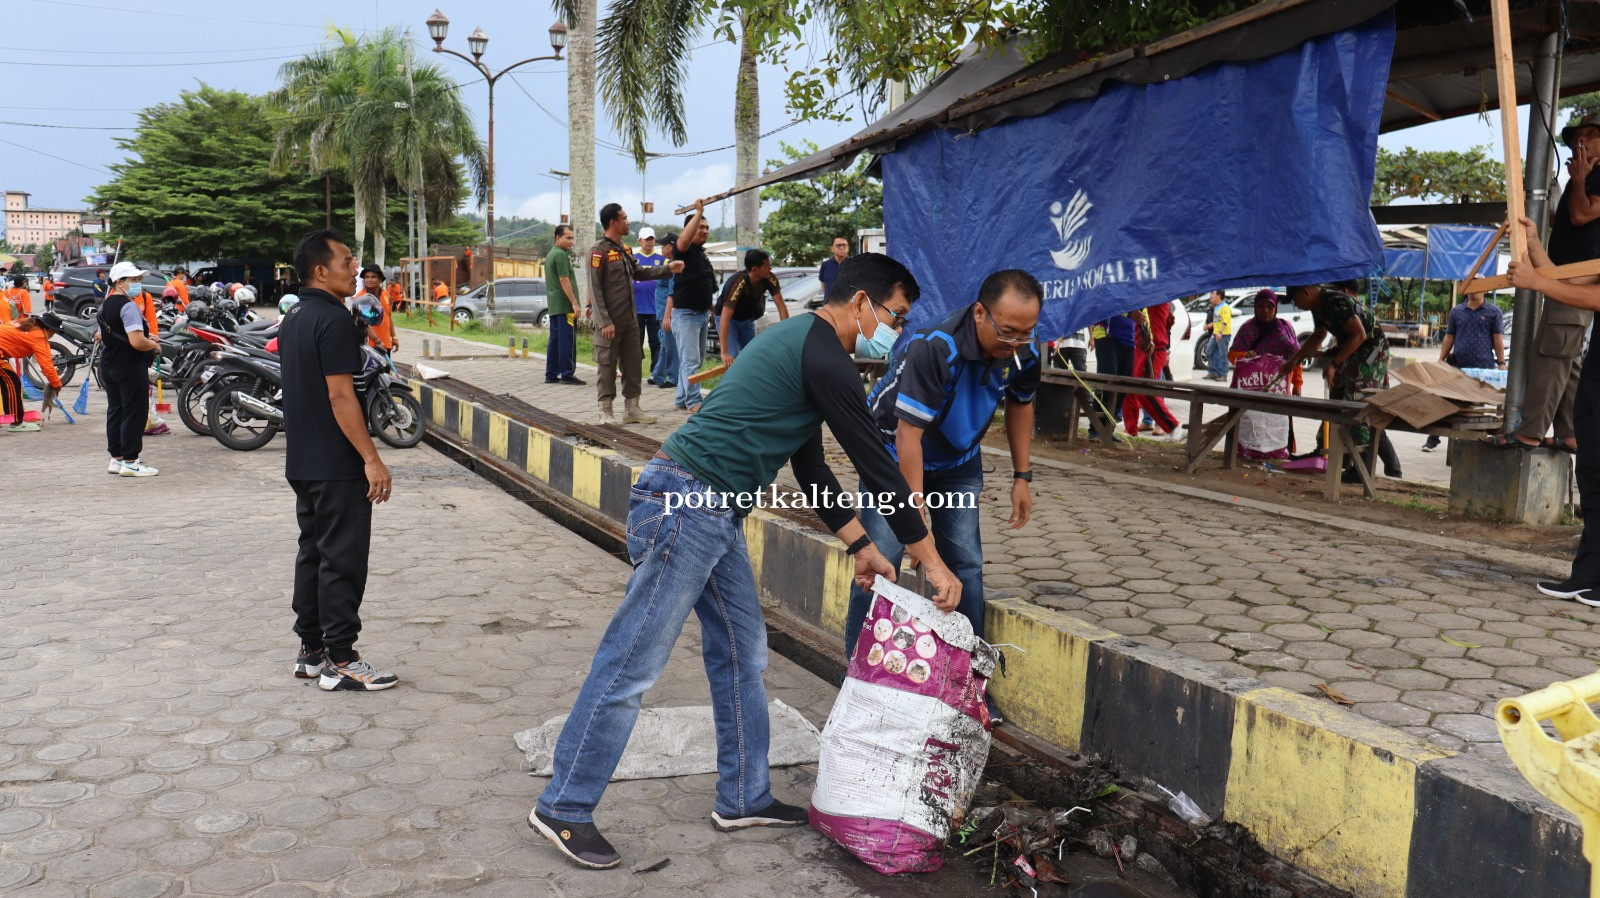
[647, 44]
[360, 108]
[580, 18]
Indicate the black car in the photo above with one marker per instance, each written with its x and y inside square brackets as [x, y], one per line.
[75, 289]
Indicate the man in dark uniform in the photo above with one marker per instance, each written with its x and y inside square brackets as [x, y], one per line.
[612, 271]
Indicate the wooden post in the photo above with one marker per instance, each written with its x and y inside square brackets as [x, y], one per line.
[1506, 78]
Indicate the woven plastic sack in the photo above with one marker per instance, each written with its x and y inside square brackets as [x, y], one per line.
[908, 737]
[1262, 435]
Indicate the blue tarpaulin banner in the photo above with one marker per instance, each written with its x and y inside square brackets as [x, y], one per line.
[1449, 256]
[1237, 175]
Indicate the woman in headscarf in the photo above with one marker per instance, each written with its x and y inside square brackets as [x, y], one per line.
[1267, 334]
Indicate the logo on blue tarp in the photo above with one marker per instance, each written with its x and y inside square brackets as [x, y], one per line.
[1068, 221]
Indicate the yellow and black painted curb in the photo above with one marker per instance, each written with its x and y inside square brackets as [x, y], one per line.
[1363, 806]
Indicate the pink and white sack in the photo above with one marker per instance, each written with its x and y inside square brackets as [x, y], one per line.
[906, 743]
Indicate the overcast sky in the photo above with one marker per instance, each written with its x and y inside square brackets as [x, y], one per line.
[147, 54]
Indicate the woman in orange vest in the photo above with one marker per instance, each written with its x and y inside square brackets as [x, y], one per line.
[29, 337]
[18, 294]
[48, 288]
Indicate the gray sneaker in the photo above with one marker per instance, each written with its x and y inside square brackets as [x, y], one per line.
[354, 675]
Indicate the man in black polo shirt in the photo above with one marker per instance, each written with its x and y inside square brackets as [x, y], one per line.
[332, 465]
[692, 292]
[746, 302]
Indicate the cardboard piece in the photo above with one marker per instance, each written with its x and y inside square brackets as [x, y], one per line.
[1415, 405]
[1447, 382]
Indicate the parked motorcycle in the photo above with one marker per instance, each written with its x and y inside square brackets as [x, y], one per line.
[246, 406]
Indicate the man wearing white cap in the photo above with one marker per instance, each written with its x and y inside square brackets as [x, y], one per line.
[644, 296]
[129, 348]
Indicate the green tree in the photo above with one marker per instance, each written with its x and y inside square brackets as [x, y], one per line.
[359, 106]
[195, 184]
[1582, 106]
[813, 212]
[648, 43]
[1462, 176]
[47, 257]
[839, 50]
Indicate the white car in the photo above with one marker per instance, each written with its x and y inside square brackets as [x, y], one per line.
[1191, 350]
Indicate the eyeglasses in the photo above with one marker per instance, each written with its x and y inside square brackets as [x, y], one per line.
[899, 321]
[1003, 338]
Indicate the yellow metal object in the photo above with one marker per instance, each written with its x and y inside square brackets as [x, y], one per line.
[1566, 771]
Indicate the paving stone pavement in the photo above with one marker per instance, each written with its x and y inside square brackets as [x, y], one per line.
[154, 743]
[1419, 637]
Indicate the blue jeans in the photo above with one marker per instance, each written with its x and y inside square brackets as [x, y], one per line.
[689, 328]
[740, 333]
[561, 356]
[955, 536]
[684, 558]
[1217, 354]
[664, 368]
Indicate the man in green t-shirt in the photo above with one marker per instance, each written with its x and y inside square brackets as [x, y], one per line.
[686, 541]
[561, 292]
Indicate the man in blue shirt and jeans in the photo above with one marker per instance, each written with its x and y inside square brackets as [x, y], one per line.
[932, 411]
[1474, 337]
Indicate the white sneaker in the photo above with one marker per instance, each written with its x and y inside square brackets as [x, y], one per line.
[137, 469]
[1177, 435]
[115, 467]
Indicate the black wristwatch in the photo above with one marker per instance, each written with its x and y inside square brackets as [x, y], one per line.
[1022, 475]
[858, 545]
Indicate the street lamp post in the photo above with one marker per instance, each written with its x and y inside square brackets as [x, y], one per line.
[561, 194]
[477, 43]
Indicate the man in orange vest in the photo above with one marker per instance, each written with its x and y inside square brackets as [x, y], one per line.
[396, 295]
[382, 334]
[180, 282]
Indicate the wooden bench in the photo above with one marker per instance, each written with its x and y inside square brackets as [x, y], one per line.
[1065, 397]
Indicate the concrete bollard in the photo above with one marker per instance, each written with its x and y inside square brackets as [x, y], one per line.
[524, 347]
[511, 347]
[425, 348]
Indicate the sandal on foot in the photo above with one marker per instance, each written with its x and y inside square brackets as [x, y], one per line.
[1507, 441]
[1556, 445]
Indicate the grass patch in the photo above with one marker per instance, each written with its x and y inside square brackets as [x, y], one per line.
[504, 329]
[1415, 503]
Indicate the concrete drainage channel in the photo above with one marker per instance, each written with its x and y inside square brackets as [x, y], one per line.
[482, 432]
